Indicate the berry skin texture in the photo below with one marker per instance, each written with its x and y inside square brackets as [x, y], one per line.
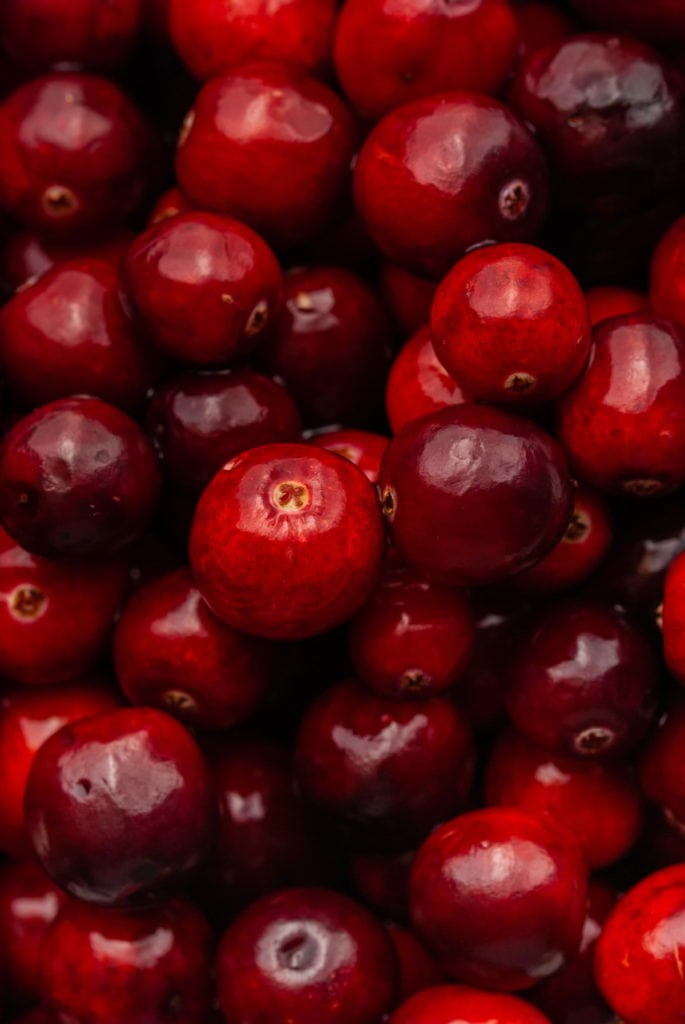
[510, 324]
[286, 541]
[449, 1004]
[418, 383]
[673, 618]
[474, 495]
[667, 275]
[498, 895]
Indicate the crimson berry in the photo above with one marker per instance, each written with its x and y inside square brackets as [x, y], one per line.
[667, 275]
[418, 383]
[407, 296]
[446, 1004]
[29, 254]
[661, 767]
[361, 447]
[673, 618]
[418, 970]
[539, 24]
[170, 204]
[660, 22]
[604, 302]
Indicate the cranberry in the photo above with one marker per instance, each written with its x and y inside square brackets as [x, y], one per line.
[306, 955]
[474, 495]
[539, 23]
[361, 447]
[75, 154]
[382, 881]
[667, 290]
[418, 383]
[661, 21]
[389, 54]
[510, 324]
[205, 288]
[632, 392]
[584, 681]
[119, 804]
[418, 970]
[77, 477]
[330, 346]
[28, 255]
[270, 145]
[170, 204]
[447, 1004]
[442, 174]
[673, 618]
[661, 771]
[286, 541]
[499, 896]
[606, 302]
[407, 296]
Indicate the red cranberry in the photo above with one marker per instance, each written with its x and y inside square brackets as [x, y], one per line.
[661, 21]
[584, 681]
[389, 54]
[270, 145]
[604, 302]
[418, 383]
[286, 541]
[661, 767]
[418, 970]
[673, 618]
[28, 255]
[119, 804]
[306, 955]
[77, 477]
[539, 23]
[205, 288]
[499, 895]
[442, 174]
[382, 881]
[170, 204]
[389, 769]
[667, 284]
[361, 447]
[510, 324]
[473, 495]
[447, 1004]
[631, 395]
[408, 296]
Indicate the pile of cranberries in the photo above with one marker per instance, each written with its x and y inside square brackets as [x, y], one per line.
[342, 511]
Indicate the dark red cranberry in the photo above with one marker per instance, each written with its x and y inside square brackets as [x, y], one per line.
[28, 254]
[604, 302]
[584, 681]
[499, 896]
[286, 541]
[170, 204]
[306, 955]
[361, 447]
[418, 383]
[389, 54]
[539, 23]
[446, 1004]
[330, 347]
[661, 767]
[77, 477]
[382, 881]
[418, 970]
[270, 145]
[407, 296]
[205, 288]
[667, 275]
[661, 21]
[119, 804]
[156, 15]
[387, 768]
[473, 495]
[632, 392]
[673, 618]
[75, 156]
[442, 174]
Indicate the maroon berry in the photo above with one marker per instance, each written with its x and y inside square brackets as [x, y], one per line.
[28, 254]
[673, 618]
[661, 767]
[361, 447]
[660, 22]
[539, 23]
[382, 881]
[418, 383]
[418, 970]
[407, 296]
[667, 292]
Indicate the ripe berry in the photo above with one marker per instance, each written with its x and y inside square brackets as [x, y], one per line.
[604, 302]
[361, 447]
[667, 290]
[418, 383]
[446, 1004]
[661, 767]
[30, 254]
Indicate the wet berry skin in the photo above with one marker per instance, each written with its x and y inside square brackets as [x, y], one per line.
[498, 895]
[666, 289]
[119, 804]
[77, 478]
[307, 955]
[286, 541]
[361, 447]
[473, 495]
[418, 383]
[446, 1004]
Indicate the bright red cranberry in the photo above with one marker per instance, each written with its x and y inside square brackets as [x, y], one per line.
[382, 881]
[286, 541]
[584, 681]
[604, 302]
[387, 768]
[388, 54]
[407, 296]
[473, 495]
[660, 22]
[418, 970]
[667, 275]
[306, 955]
[499, 896]
[447, 1004]
[119, 804]
[673, 618]
[623, 422]
[510, 324]
[170, 204]
[109, 966]
[539, 23]
[418, 383]
[361, 447]
[442, 174]
[270, 145]
[330, 347]
[77, 477]
[205, 288]
[28, 254]
[211, 35]
[661, 767]
[75, 154]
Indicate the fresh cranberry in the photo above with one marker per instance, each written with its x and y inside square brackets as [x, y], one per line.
[667, 273]
[361, 447]
[499, 896]
[418, 383]
[673, 618]
[539, 23]
[77, 477]
[270, 145]
[286, 541]
[119, 804]
[306, 955]
[604, 302]
[170, 204]
[473, 495]
[330, 346]
[418, 970]
[205, 288]
[28, 255]
[407, 296]
[510, 324]
[584, 681]
[447, 1004]
[661, 767]
[382, 880]
[660, 22]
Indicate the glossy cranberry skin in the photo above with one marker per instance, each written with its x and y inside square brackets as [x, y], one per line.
[499, 896]
[389, 769]
[473, 495]
[418, 383]
[418, 970]
[286, 541]
[149, 966]
[270, 145]
[660, 22]
[673, 618]
[606, 301]
[76, 154]
[623, 422]
[667, 290]
[442, 174]
[661, 767]
[330, 347]
[205, 288]
[77, 477]
[119, 804]
[29, 254]
[361, 447]
[510, 324]
[584, 681]
[306, 955]
[539, 24]
[447, 1004]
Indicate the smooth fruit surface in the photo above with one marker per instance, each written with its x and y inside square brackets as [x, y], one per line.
[447, 1004]
[418, 383]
